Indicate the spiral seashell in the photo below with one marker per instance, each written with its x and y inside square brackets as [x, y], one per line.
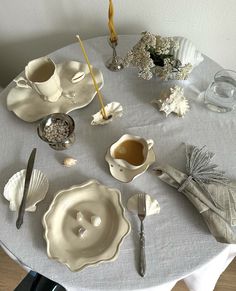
[82, 232]
[69, 162]
[181, 108]
[13, 190]
[175, 102]
[187, 52]
[96, 220]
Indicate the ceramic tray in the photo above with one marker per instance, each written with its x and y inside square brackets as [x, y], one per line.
[29, 106]
[100, 243]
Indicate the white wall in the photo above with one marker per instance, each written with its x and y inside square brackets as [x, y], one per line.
[31, 28]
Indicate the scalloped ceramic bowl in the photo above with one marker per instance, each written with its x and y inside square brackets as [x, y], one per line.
[101, 243]
[38, 188]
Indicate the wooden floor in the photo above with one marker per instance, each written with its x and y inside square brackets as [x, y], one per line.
[11, 274]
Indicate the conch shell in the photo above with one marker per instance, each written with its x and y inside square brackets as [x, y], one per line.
[187, 52]
[176, 102]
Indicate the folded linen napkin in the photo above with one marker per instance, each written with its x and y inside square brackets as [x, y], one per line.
[208, 189]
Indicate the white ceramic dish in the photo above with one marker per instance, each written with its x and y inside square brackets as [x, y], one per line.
[29, 106]
[38, 188]
[113, 109]
[100, 243]
[152, 205]
[124, 175]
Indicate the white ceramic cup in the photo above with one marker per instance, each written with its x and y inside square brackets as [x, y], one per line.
[146, 143]
[41, 75]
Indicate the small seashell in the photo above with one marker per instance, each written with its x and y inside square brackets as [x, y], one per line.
[69, 162]
[13, 190]
[176, 102]
[152, 205]
[82, 232]
[96, 220]
[113, 110]
[79, 216]
[79, 76]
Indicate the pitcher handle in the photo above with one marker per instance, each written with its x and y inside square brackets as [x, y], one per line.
[22, 83]
[150, 143]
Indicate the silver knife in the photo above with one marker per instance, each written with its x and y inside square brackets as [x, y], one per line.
[28, 174]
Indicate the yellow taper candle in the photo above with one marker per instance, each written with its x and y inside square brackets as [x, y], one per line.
[113, 34]
[103, 111]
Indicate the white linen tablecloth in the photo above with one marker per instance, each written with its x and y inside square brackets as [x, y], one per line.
[178, 243]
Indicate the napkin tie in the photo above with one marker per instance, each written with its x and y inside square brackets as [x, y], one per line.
[185, 183]
[213, 195]
[200, 169]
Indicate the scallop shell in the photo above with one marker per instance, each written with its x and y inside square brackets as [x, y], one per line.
[152, 205]
[176, 102]
[187, 52]
[13, 190]
[113, 110]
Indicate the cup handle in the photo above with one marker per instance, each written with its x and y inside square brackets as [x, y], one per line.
[150, 143]
[22, 83]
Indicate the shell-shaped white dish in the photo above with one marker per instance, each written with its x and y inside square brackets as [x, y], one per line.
[152, 205]
[113, 110]
[61, 225]
[13, 190]
[187, 52]
[29, 106]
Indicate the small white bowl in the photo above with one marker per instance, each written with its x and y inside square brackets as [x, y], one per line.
[38, 188]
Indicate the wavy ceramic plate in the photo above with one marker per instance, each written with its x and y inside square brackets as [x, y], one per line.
[100, 243]
[29, 106]
[124, 175]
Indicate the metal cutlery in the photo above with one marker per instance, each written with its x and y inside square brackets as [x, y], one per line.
[28, 174]
[142, 215]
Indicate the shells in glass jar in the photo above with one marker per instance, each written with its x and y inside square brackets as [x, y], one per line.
[13, 190]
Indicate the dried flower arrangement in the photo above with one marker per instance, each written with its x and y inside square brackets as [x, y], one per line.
[155, 55]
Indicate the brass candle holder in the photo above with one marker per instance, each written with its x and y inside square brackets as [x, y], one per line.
[115, 63]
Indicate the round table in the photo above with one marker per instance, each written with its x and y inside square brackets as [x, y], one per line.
[178, 243]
